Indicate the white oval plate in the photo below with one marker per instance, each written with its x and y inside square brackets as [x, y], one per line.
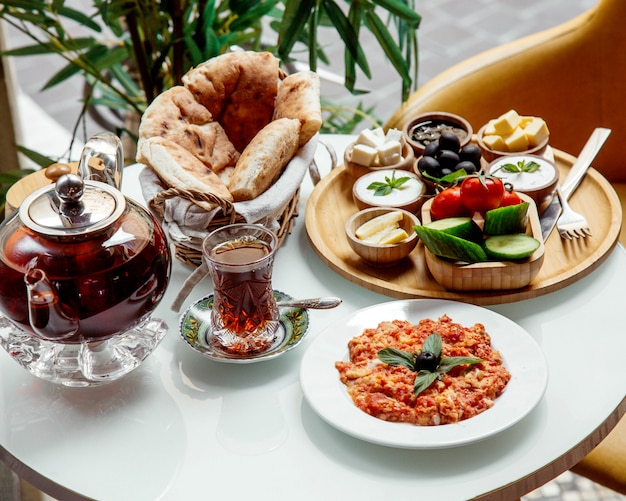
[328, 397]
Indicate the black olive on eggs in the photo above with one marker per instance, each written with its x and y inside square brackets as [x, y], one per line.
[449, 141]
[427, 361]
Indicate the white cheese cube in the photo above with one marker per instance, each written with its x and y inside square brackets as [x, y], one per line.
[379, 132]
[363, 155]
[370, 138]
[393, 135]
[390, 152]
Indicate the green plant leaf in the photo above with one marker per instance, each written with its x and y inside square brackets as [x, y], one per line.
[75, 66]
[402, 10]
[347, 34]
[294, 19]
[392, 51]
[38, 158]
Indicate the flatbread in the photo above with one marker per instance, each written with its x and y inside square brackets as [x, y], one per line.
[239, 90]
[264, 159]
[299, 97]
[177, 116]
[178, 168]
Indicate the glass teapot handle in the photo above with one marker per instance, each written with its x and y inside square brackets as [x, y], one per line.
[102, 159]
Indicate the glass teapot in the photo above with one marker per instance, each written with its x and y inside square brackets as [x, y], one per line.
[81, 269]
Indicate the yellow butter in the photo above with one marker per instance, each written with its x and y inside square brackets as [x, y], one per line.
[495, 142]
[536, 131]
[516, 140]
[506, 123]
[489, 128]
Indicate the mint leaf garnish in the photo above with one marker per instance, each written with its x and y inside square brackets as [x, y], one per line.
[424, 377]
[381, 189]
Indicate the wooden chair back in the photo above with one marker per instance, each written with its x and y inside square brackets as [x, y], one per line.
[573, 75]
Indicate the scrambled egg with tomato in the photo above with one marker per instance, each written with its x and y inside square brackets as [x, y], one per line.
[386, 392]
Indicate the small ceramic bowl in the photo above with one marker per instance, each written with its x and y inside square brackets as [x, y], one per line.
[539, 185]
[357, 170]
[490, 155]
[413, 128]
[409, 196]
[376, 254]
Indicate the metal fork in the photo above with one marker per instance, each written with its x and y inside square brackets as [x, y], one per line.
[571, 224]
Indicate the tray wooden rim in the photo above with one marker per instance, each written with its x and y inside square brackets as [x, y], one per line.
[575, 262]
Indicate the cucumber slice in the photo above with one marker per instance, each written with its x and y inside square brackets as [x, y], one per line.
[445, 245]
[462, 227]
[518, 246]
[506, 220]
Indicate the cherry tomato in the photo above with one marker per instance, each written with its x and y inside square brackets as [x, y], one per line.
[510, 198]
[447, 203]
[481, 193]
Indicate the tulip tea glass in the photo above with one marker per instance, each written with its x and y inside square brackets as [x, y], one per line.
[244, 316]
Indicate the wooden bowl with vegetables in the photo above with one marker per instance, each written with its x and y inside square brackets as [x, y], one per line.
[382, 236]
[487, 246]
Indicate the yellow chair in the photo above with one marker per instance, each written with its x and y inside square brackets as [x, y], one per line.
[574, 76]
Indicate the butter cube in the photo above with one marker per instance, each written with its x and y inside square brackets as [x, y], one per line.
[363, 154]
[389, 153]
[506, 123]
[495, 142]
[393, 135]
[370, 138]
[516, 140]
[536, 131]
[489, 128]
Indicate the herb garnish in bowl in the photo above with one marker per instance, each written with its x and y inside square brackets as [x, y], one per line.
[428, 364]
[391, 183]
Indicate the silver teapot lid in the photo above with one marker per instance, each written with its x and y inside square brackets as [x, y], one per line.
[72, 207]
[81, 204]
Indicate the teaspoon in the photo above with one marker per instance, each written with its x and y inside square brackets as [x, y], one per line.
[317, 303]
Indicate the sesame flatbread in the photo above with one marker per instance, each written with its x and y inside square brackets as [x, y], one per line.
[239, 90]
[299, 97]
[177, 116]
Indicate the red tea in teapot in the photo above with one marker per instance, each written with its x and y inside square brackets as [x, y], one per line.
[69, 291]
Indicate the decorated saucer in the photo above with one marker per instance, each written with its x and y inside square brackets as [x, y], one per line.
[195, 330]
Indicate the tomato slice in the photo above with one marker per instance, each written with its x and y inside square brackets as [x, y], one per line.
[447, 203]
[481, 193]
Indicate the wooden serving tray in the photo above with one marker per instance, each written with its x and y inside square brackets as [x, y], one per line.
[566, 261]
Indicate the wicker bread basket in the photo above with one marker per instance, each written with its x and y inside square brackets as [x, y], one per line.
[285, 216]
